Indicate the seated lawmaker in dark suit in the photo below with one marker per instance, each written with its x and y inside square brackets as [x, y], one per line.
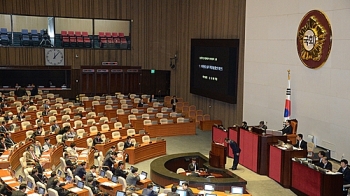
[321, 154]
[344, 169]
[262, 125]
[110, 160]
[35, 176]
[119, 171]
[149, 191]
[80, 170]
[127, 143]
[51, 179]
[300, 142]
[140, 104]
[244, 125]
[2, 145]
[97, 139]
[173, 191]
[193, 166]
[59, 188]
[21, 191]
[287, 129]
[93, 188]
[326, 164]
[9, 141]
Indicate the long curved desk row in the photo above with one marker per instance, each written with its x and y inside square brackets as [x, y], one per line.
[146, 151]
[174, 129]
[163, 172]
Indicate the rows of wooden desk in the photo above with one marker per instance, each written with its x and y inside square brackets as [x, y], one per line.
[146, 151]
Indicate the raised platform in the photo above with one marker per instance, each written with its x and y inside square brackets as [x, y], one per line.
[163, 172]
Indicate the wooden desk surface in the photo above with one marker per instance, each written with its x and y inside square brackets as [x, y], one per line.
[110, 189]
[146, 151]
[206, 125]
[171, 129]
[114, 142]
[83, 192]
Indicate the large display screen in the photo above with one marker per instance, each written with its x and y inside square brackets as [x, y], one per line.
[214, 67]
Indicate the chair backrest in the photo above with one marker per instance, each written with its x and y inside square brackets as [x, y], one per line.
[90, 191]
[69, 172]
[133, 141]
[103, 137]
[31, 179]
[80, 132]
[59, 138]
[310, 147]
[52, 192]
[180, 170]
[164, 109]
[146, 139]
[89, 142]
[39, 184]
[93, 130]
[120, 111]
[294, 125]
[116, 134]
[206, 117]
[24, 124]
[122, 181]
[63, 164]
[92, 114]
[109, 174]
[78, 123]
[180, 120]
[29, 134]
[145, 116]
[108, 107]
[150, 110]
[104, 118]
[105, 127]
[132, 117]
[121, 146]
[159, 115]
[77, 179]
[147, 122]
[163, 121]
[118, 125]
[130, 132]
[134, 111]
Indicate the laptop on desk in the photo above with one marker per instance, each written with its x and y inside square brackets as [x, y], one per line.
[41, 191]
[143, 175]
[29, 185]
[80, 184]
[114, 179]
[102, 173]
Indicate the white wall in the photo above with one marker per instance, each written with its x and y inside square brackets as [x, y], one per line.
[321, 97]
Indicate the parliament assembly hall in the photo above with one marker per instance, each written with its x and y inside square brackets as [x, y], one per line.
[174, 98]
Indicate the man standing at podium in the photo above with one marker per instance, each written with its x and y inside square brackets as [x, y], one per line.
[236, 150]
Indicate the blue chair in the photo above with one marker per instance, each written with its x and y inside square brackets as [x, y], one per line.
[25, 38]
[3, 31]
[4, 39]
[35, 37]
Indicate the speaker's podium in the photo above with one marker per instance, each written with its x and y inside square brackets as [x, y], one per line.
[217, 155]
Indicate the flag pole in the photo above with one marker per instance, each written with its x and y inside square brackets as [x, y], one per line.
[287, 107]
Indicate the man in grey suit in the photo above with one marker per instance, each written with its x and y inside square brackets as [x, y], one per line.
[90, 173]
[133, 177]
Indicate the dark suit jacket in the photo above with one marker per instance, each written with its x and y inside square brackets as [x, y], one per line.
[303, 145]
[2, 147]
[328, 166]
[37, 179]
[191, 167]
[9, 142]
[61, 191]
[18, 193]
[97, 141]
[50, 182]
[80, 171]
[346, 175]
[234, 146]
[127, 144]
[172, 194]
[94, 189]
[287, 130]
[119, 172]
[3, 129]
[148, 192]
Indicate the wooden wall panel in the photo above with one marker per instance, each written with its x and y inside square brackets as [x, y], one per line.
[160, 29]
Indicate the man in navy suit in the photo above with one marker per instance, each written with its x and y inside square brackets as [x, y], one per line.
[236, 150]
[300, 142]
[149, 191]
[326, 164]
[344, 169]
